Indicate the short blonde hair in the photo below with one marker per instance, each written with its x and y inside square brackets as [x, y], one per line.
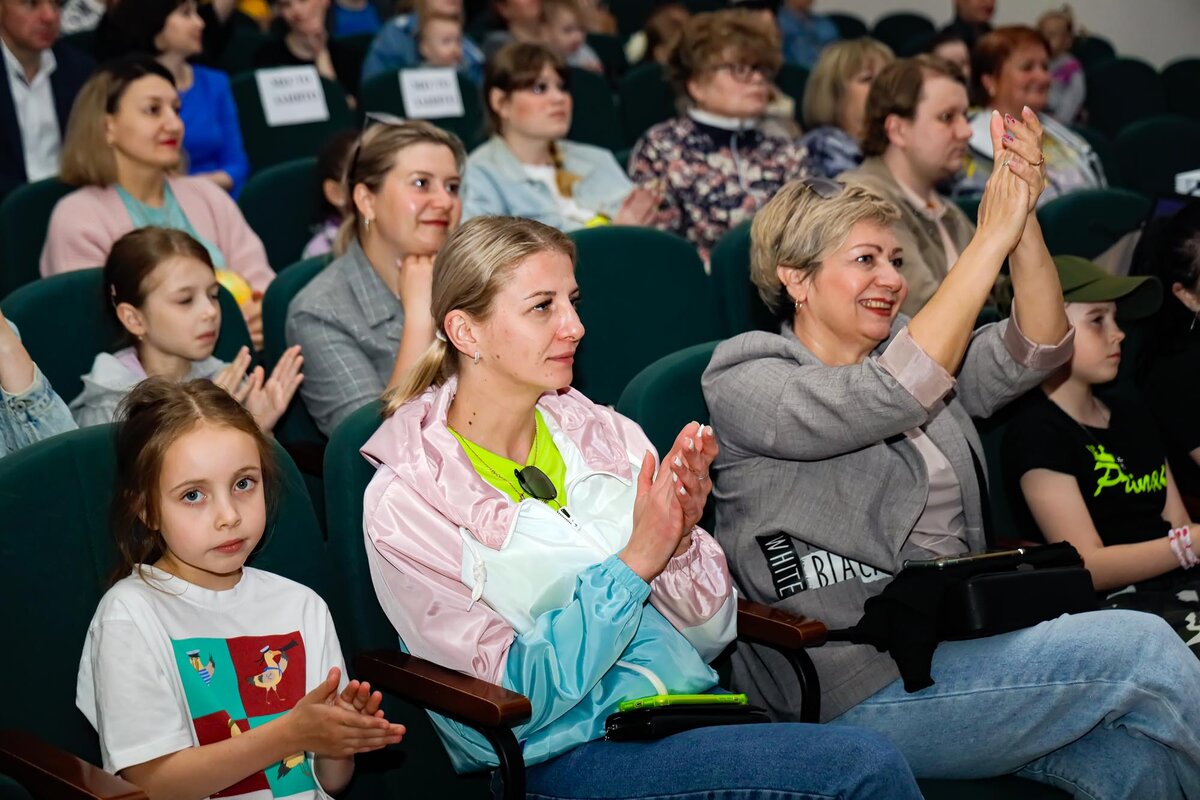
[838, 65]
[87, 158]
[798, 228]
[468, 272]
[371, 159]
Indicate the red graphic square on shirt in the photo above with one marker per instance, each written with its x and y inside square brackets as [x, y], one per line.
[270, 671]
[217, 727]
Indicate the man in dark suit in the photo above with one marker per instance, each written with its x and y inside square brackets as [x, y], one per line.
[39, 83]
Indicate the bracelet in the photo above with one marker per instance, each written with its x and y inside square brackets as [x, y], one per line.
[1181, 546]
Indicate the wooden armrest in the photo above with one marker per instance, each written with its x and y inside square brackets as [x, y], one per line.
[445, 691]
[46, 771]
[776, 627]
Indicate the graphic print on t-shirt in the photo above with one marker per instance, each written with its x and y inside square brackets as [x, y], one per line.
[1111, 474]
[234, 685]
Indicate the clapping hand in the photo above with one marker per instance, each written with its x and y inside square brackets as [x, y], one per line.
[267, 400]
[690, 458]
[1006, 197]
[1022, 141]
[233, 377]
[329, 725]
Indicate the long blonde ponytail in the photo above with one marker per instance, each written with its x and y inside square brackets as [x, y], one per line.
[468, 272]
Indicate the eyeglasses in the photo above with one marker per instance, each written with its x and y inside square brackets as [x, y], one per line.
[368, 118]
[742, 73]
[824, 188]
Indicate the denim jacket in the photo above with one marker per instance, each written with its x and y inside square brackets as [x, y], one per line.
[494, 182]
[32, 415]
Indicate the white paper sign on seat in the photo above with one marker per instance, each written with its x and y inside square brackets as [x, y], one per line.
[430, 93]
[291, 95]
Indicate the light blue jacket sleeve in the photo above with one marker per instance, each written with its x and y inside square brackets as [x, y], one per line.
[392, 49]
[35, 414]
[565, 654]
[481, 192]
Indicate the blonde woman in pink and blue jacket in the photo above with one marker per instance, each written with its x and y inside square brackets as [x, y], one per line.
[521, 534]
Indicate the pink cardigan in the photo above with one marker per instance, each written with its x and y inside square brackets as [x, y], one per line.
[87, 222]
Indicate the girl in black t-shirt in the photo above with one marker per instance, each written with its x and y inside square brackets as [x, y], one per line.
[1091, 472]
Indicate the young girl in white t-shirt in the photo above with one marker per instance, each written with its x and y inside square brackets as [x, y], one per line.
[200, 674]
[161, 286]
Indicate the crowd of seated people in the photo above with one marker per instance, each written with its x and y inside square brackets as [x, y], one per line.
[522, 534]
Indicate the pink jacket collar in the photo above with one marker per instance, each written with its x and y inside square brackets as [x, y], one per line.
[416, 445]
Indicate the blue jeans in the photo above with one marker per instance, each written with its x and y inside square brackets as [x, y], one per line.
[1102, 705]
[781, 761]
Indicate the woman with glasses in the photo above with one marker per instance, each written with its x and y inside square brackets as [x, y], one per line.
[847, 448]
[522, 535]
[528, 168]
[714, 165]
[365, 318]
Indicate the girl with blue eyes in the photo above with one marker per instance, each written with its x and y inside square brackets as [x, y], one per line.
[162, 288]
[365, 318]
[202, 675]
[528, 168]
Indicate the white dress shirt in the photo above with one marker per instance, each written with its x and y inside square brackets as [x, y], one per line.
[36, 116]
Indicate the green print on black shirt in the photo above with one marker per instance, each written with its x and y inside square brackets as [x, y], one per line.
[1113, 475]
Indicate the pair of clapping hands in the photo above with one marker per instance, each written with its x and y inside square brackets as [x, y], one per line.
[1018, 176]
[669, 503]
[265, 398]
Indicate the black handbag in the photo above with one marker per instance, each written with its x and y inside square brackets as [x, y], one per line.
[655, 723]
[966, 598]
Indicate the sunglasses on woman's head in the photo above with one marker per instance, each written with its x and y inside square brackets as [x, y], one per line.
[382, 118]
[824, 188]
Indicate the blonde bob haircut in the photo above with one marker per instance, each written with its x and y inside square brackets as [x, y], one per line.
[470, 269]
[372, 158]
[798, 228]
[87, 158]
[837, 66]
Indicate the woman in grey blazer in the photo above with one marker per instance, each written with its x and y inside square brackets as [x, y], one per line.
[847, 447]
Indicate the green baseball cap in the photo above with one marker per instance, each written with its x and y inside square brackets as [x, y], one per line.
[1084, 282]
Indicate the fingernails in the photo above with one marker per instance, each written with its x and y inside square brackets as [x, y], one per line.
[995, 112]
[683, 491]
[678, 461]
[1010, 119]
[691, 444]
[674, 478]
[1008, 137]
[1027, 109]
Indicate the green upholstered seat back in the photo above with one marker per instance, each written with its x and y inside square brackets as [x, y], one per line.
[383, 93]
[282, 204]
[266, 145]
[24, 220]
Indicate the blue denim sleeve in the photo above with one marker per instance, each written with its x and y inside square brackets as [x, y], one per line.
[35, 414]
[392, 49]
[568, 650]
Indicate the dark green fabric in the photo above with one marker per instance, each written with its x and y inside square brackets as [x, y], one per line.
[969, 206]
[792, 80]
[282, 204]
[897, 28]
[420, 768]
[666, 395]
[1153, 151]
[631, 15]
[849, 26]
[11, 790]
[1122, 91]
[24, 219]
[382, 93]
[665, 301]
[645, 99]
[1004, 788]
[610, 52]
[1092, 49]
[267, 146]
[1088, 222]
[1105, 151]
[296, 426]
[1181, 79]
[738, 304]
[77, 300]
[238, 55]
[59, 594]
[594, 117]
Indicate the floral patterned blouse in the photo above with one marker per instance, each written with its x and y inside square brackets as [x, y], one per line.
[713, 172]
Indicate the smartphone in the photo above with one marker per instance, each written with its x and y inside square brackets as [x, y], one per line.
[661, 700]
[952, 561]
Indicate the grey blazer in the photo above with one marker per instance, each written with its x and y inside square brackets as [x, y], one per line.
[348, 325]
[817, 488]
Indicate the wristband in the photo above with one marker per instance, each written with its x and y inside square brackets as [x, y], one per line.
[1181, 546]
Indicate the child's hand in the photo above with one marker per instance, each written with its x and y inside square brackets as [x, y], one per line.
[320, 724]
[358, 697]
[267, 400]
[233, 377]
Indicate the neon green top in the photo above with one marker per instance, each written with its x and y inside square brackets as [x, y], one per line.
[499, 471]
